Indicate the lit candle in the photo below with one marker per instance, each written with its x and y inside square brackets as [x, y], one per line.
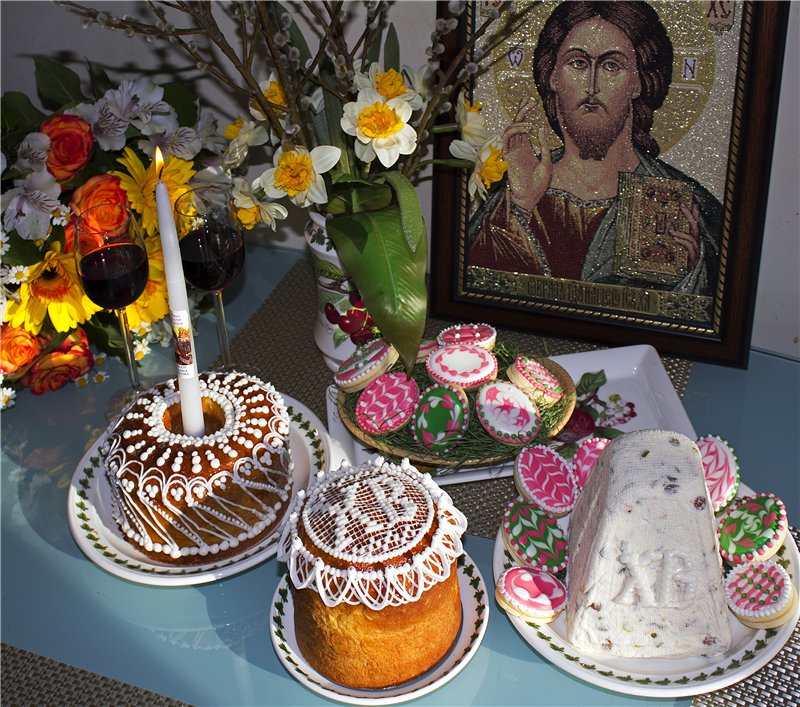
[188, 382]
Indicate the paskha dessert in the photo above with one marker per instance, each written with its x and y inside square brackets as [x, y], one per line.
[760, 594]
[532, 595]
[371, 553]
[752, 528]
[645, 576]
[188, 500]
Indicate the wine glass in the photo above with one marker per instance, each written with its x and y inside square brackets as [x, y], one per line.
[112, 264]
[212, 252]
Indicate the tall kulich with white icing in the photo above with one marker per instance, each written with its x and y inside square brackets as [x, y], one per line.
[188, 500]
[645, 576]
[371, 553]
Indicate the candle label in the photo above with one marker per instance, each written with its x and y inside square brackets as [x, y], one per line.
[184, 356]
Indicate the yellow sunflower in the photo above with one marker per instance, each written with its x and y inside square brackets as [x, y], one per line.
[53, 289]
[140, 184]
[153, 303]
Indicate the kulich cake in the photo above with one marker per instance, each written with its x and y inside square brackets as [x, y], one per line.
[387, 403]
[507, 413]
[371, 554]
[530, 375]
[586, 456]
[645, 577]
[545, 478]
[752, 528]
[532, 595]
[760, 594]
[189, 500]
[482, 335]
[464, 366]
[721, 469]
[365, 365]
[532, 536]
[440, 418]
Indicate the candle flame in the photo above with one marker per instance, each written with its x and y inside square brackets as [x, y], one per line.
[159, 160]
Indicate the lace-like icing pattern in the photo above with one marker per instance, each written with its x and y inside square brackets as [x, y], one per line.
[367, 516]
[181, 495]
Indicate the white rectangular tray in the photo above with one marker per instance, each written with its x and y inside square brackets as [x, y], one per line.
[635, 373]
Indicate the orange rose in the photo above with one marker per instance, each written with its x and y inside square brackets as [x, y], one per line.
[18, 347]
[71, 144]
[56, 368]
[102, 189]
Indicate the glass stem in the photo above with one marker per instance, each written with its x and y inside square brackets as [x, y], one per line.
[222, 330]
[133, 371]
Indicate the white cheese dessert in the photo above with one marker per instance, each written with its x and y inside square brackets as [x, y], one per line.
[645, 576]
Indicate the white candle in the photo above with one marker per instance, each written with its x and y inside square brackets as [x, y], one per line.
[188, 382]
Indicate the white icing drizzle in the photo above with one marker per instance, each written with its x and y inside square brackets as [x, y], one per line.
[368, 515]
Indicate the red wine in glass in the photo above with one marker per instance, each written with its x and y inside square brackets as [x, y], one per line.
[115, 275]
[212, 256]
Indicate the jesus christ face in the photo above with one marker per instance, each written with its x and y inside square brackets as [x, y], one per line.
[595, 80]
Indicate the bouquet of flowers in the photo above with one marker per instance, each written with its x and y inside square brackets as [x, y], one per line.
[346, 126]
[87, 152]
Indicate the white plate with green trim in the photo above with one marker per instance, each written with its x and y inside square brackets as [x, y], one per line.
[750, 649]
[100, 539]
[474, 620]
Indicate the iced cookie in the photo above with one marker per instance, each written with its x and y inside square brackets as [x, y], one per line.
[387, 403]
[545, 478]
[721, 469]
[507, 413]
[365, 365]
[532, 595]
[464, 366]
[585, 457]
[425, 348]
[481, 335]
[532, 537]
[440, 418]
[752, 528]
[760, 594]
[533, 377]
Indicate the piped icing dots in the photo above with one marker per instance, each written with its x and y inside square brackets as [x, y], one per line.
[387, 403]
[482, 335]
[440, 418]
[507, 413]
[367, 363]
[461, 365]
[586, 456]
[532, 594]
[545, 478]
[752, 528]
[532, 376]
[533, 536]
[758, 590]
[721, 470]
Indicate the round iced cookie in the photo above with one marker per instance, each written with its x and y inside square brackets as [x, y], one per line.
[532, 595]
[532, 537]
[481, 335]
[387, 403]
[365, 365]
[760, 594]
[440, 418]
[545, 478]
[464, 366]
[425, 348]
[721, 470]
[586, 455]
[532, 376]
[752, 528]
[507, 413]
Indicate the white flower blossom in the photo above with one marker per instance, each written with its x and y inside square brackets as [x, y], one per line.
[140, 349]
[62, 215]
[27, 207]
[181, 142]
[268, 212]
[7, 397]
[32, 152]
[108, 128]
[207, 130]
[140, 102]
[421, 80]
[249, 135]
[15, 275]
[471, 123]
[4, 244]
[480, 156]
[297, 173]
[373, 80]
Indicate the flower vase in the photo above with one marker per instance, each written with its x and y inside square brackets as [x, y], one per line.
[341, 322]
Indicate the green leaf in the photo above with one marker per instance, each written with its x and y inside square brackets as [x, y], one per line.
[367, 197]
[410, 212]
[184, 100]
[21, 251]
[607, 432]
[104, 333]
[590, 383]
[330, 130]
[389, 275]
[373, 52]
[58, 86]
[98, 77]
[18, 113]
[391, 50]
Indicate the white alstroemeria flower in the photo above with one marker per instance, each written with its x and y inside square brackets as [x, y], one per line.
[28, 206]
[273, 92]
[389, 84]
[421, 80]
[251, 209]
[181, 142]
[297, 173]
[108, 128]
[140, 102]
[471, 123]
[249, 135]
[32, 152]
[7, 396]
[207, 130]
[381, 127]
[489, 164]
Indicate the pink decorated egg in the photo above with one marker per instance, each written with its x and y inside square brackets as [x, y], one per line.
[532, 376]
[721, 470]
[531, 594]
[545, 478]
[387, 403]
[532, 536]
[482, 335]
[365, 365]
[507, 413]
[461, 365]
[586, 456]
[440, 418]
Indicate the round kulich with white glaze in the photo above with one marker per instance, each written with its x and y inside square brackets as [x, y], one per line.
[185, 500]
[371, 553]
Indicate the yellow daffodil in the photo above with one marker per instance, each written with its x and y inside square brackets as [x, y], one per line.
[381, 127]
[152, 304]
[274, 93]
[233, 129]
[53, 289]
[389, 84]
[297, 173]
[471, 123]
[140, 184]
[489, 164]
[250, 210]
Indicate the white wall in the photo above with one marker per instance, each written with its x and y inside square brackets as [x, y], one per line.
[30, 28]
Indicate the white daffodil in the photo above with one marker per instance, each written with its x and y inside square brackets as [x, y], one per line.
[471, 123]
[251, 210]
[32, 152]
[381, 127]
[28, 206]
[421, 80]
[274, 94]
[249, 135]
[389, 84]
[298, 174]
[489, 164]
